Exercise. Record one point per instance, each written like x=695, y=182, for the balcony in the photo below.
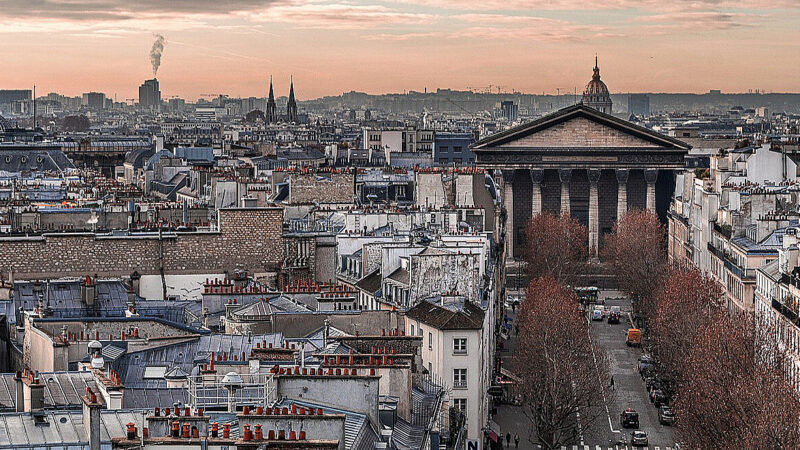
x=459, y=384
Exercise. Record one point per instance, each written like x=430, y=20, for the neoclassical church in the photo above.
x=581, y=161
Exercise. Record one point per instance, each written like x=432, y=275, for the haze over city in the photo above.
x=531, y=46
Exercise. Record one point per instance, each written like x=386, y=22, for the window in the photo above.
x=413, y=333
x=430, y=341
x=459, y=378
x=457, y=149
x=460, y=346
x=460, y=403
x=457, y=160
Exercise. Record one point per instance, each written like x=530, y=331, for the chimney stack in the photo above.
x=89, y=291
x=91, y=418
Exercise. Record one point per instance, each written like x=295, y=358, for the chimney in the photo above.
x=135, y=279
x=33, y=393
x=19, y=398
x=88, y=291
x=91, y=418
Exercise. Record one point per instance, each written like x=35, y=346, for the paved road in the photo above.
x=629, y=391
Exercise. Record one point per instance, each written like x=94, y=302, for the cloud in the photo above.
x=339, y=15
x=597, y=5
x=104, y=10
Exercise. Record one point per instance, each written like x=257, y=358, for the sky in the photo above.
x=232, y=47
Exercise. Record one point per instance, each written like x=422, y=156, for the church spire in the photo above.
x=291, y=106
x=596, y=75
x=271, y=113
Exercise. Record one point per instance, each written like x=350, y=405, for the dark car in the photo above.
x=638, y=438
x=652, y=382
x=613, y=317
x=666, y=416
x=658, y=397
x=646, y=369
x=629, y=418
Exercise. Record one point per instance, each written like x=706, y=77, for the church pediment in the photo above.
x=578, y=127
x=578, y=132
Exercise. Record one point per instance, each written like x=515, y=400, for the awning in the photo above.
x=493, y=431
x=507, y=374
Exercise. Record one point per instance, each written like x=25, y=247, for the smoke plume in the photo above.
x=155, y=53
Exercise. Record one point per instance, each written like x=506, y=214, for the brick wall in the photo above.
x=248, y=238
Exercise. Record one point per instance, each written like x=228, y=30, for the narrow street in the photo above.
x=629, y=392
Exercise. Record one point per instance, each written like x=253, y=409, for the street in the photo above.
x=628, y=392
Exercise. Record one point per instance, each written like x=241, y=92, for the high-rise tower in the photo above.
x=291, y=106
x=271, y=112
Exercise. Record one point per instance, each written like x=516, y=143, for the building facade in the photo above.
x=582, y=162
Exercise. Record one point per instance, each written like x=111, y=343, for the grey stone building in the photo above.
x=581, y=162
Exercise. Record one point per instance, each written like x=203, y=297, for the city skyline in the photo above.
x=392, y=47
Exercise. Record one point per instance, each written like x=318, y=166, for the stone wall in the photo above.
x=250, y=239
x=551, y=192
x=637, y=190
x=436, y=274
x=307, y=188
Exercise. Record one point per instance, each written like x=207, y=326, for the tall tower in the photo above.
x=271, y=112
x=291, y=106
x=596, y=93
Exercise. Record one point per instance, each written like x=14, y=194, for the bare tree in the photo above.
x=556, y=246
x=636, y=252
x=685, y=302
x=563, y=374
x=735, y=393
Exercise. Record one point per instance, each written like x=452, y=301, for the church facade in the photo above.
x=582, y=162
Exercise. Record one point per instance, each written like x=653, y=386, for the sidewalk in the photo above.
x=512, y=419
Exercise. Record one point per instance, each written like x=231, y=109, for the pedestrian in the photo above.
x=516, y=329
x=516, y=440
x=508, y=440
x=514, y=307
x=612, y=381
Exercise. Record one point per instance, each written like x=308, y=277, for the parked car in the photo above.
x=646, y=370
x=638, y=437
x=658, y=397
x=629, y=418
x=652, y=382
x=646, y=358
x=666, y=416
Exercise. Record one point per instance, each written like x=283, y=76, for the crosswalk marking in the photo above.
x=618, y=447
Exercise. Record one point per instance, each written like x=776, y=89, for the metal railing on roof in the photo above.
x=212, y=390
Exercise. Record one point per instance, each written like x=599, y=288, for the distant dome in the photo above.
x=596, y=93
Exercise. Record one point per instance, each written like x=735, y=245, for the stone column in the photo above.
x=622, y=192
x=508, y=201
x=564, y=175
x=594, y=210
x=536, y=197
x=650, y=176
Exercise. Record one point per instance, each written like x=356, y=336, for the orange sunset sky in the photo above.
x=233, y=46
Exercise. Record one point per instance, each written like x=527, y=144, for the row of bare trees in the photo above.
x=725, y=372
x=563, y=373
